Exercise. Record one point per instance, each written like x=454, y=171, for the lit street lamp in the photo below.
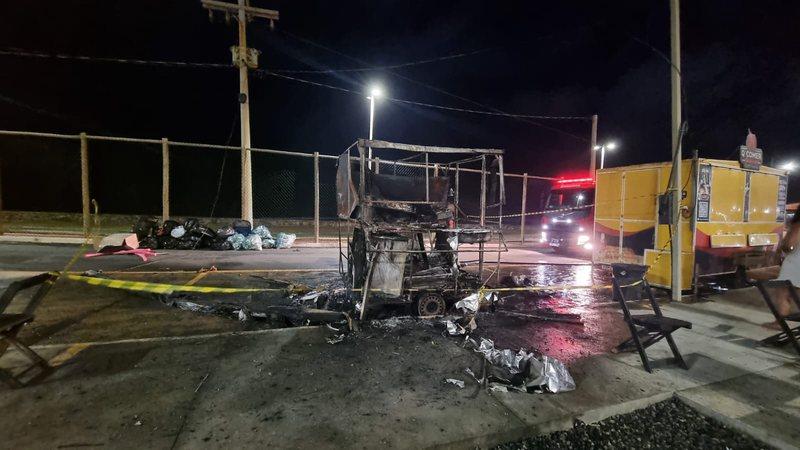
x=375, y=92
x=789, y=166
x=603, y=147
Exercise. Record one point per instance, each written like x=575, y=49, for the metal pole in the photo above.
x=482, y=213
x=316, y=197
x=85, y=201
x=371, y=123
x=244, y=111
x=677, y=235
x=602, y=156
x=593, y=144
x=164, y=179
x=524, y=204
x=427, y=181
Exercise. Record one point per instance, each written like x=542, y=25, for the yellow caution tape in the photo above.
x=159, y=288
x=162, y=288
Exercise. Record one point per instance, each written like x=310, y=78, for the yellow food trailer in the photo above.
x=730, y=216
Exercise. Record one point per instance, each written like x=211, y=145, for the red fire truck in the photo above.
x=569, y=217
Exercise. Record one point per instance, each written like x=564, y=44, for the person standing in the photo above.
x=790, y=268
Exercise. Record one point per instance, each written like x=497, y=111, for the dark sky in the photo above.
x=740, y=65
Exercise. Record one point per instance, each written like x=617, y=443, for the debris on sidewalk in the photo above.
x=456, y=382
x=523, y=371
x=336, y=339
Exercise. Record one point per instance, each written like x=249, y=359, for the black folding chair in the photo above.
x=789, y=334
x=647, y=329
x=11, y=325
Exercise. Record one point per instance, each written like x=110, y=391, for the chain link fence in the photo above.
x=42, y=176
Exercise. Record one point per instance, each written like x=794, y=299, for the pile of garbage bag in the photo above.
x=192, y=234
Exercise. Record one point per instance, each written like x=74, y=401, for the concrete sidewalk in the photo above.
x=288, y=388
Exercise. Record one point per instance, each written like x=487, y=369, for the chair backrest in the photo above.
x=46, y=281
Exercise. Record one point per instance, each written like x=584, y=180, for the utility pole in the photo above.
x=592, y=149
x=245, y=58
x=677, y=179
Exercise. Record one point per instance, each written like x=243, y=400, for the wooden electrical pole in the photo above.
x=677, y=179
x=245, y=58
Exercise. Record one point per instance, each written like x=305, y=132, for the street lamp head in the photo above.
x=611, y=145
x=597, y=147
x=789, y=166
x=376, y=92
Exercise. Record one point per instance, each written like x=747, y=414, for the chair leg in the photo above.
x=676, y=353
x=778, y=317
x=632, y=328
x=38, y=360
x=9, y=379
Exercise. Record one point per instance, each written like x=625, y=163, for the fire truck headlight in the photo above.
x=583, y=240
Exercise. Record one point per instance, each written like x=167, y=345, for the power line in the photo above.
x=388, y=67
x=497, y=113
x=427, y=105
x=434, y=88
x=29, y=54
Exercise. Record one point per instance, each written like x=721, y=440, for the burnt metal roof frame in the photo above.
x=426, y=148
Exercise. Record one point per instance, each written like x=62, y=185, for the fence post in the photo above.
x=524, y=204
x=316, y=197
x=164, y=179
x=85, y=201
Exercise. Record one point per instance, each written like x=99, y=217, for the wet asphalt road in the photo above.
x=602, y=326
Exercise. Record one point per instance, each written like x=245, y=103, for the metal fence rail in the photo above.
x=282, y=179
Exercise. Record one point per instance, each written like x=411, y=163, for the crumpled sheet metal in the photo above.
x=470, y=304
x=454, y=329
x=546, y=372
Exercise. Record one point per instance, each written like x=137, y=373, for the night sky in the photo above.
x=740, y=70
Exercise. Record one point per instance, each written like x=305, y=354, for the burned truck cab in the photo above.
x=407, y=229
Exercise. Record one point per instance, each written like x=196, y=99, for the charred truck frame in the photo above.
x=392, y=215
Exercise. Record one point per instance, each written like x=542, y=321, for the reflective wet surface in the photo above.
x=565, y=324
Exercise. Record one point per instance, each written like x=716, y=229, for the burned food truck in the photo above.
x=408, y=225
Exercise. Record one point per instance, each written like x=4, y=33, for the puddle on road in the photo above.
x=602, y=329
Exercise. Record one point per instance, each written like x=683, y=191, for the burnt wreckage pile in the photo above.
x=408, y=230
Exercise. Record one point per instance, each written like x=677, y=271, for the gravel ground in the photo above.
x=668, y=425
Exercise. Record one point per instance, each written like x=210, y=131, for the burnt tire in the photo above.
x=430, y=304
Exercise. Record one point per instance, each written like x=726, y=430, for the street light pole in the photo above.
x=374, y=92
x=603, y=157
x=602, y=148
x=371, y=124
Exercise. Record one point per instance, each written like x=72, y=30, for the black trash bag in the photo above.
x=202, y=232
x=191, y=224
x=145, y=226
x=188, y=243
x=150, y=242
x=168, y=226
x=221, y=244
x=243, y=227
x=167, y=242
x=224, y=233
